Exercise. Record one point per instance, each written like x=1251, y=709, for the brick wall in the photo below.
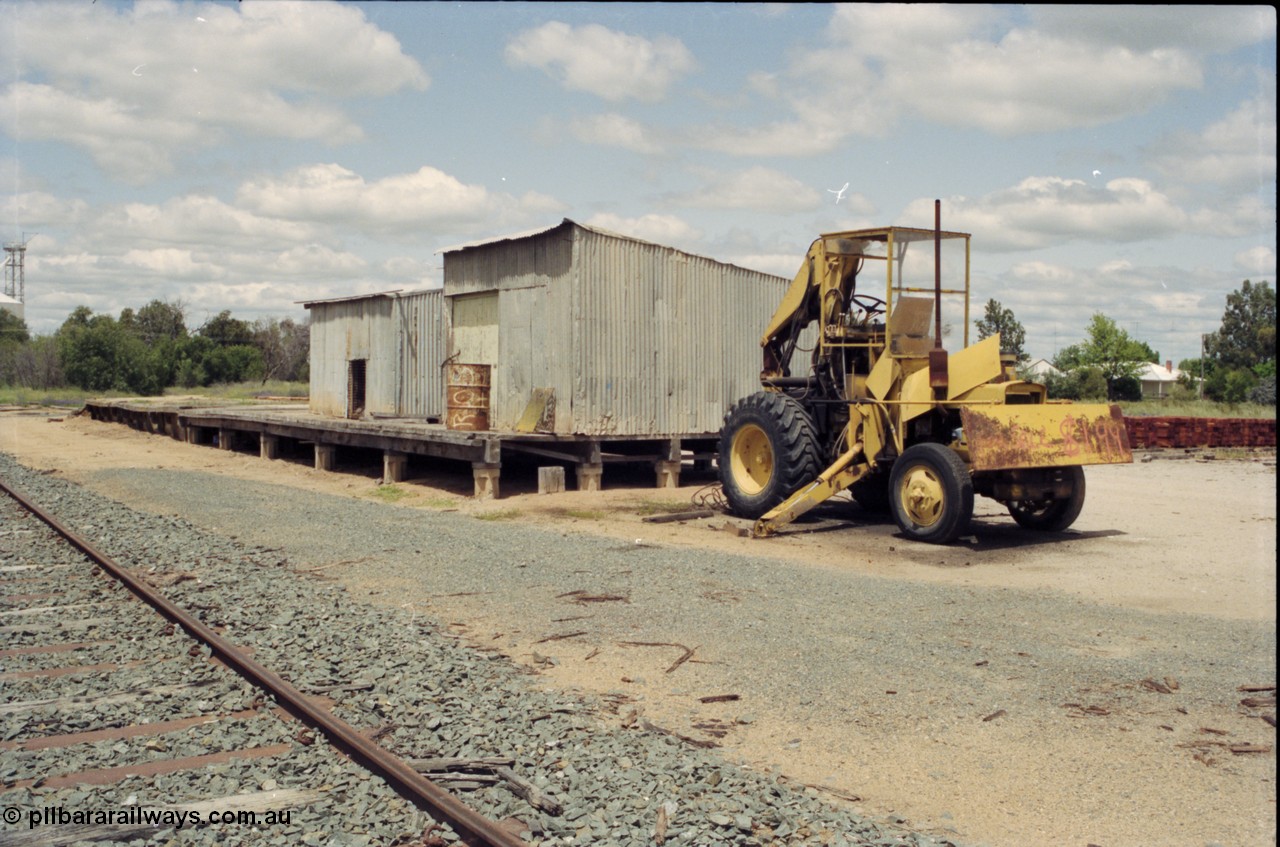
x=1201, y=432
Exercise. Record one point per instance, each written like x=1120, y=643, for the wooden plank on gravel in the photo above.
x=107, y=776
x=84, y=623
x=37, y=610
x=67, y=670
x=457, y=763
x=50, y=648
x=118, y=733
x=679, y=516
x=530, y=792
x=62, y=836
x=259, y=801
x=80, y=704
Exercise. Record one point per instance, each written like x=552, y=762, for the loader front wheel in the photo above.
x=931, y=493
x=1052, y=515
x=768, y=449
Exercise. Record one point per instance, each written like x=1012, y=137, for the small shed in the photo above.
x=378, y=355
x=625, y=337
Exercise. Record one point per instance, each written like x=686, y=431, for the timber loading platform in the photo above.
x=269, y=427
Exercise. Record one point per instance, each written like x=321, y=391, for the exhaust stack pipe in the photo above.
x=937, y=356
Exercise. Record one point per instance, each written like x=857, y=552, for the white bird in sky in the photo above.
x=839, y=194
x=1097, y=173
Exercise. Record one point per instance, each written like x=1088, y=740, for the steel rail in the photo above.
x=467, y=822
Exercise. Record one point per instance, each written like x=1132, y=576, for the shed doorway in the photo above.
x=356, y=387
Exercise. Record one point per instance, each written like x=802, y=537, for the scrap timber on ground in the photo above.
x=268, y=426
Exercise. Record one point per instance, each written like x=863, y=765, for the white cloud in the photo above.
x=136, y=87
x=950, y=65
x=38, y=209
x=660, y=229
x=1235, y=153
x=1198, y=28
x=614, y=130
x=1044, y=211
x=780, y=264
x=758, y=188
x=972, y=66
x=427, y=199
x=1259, y=261
x=196, y=220
x=609, y=64
x=1166, y=307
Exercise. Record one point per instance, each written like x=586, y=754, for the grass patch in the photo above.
x=1192, y=408
x=18, y=396
x=440, y=503
x=580, y=514
x=499, y=515
x=240, y=392
x=245, y=392
x=389, y=493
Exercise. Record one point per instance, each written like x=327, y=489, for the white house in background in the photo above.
x=1157, y=381
x=1042, y=367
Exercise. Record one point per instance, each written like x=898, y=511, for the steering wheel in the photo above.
x=868, y=303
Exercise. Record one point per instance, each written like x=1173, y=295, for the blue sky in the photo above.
x=245, y=156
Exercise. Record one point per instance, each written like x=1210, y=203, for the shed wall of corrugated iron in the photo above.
x=423, y=336
x=665, y=341
x=347, y=330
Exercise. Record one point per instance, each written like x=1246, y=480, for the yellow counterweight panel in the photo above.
x=973, y=366
x=1044, y=436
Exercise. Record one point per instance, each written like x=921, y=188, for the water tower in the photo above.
x=15, y=282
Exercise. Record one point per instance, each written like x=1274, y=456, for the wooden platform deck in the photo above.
x=239, y=427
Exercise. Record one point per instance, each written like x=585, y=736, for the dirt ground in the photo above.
x=1186, y=535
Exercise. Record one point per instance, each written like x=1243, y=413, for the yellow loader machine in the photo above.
x=886, y=411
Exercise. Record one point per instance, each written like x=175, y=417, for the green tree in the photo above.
x=1085, y=383
x=226, y=331
x=160, y=321
x=998, y=319
x=1247, y=336
x=99, y=353
x=13, y=329
x=1110, y=349
x=285, y=346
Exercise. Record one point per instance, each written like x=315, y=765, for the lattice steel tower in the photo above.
x=15, y=282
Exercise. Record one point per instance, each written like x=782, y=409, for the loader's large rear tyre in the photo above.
x=931, y=493
x=1052, y=515
x=768, y=449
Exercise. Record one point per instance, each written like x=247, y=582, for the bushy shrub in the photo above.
x=1264, y=393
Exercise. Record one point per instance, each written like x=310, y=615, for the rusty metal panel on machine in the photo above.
x=1042, y=436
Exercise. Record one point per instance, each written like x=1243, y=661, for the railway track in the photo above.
x=182, y=729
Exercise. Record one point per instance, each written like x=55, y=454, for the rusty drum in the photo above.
x=466, y=396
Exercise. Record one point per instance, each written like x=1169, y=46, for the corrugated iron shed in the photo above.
x=378, y=354
x=634, y=338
